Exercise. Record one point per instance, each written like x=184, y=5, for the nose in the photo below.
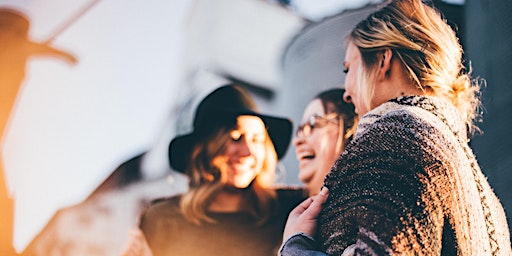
x=244, y=149
x=347, y=98
x=298, y=140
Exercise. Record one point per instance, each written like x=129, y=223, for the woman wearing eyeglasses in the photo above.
x=328, y=124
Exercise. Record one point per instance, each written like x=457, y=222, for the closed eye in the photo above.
x=236, y=135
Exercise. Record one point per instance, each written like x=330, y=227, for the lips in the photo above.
x=305, y=155
x=240, y=168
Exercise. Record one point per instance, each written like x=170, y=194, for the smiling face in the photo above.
x=318, y=151
x=244, y=153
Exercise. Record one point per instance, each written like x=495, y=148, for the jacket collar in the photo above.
x=441, y=108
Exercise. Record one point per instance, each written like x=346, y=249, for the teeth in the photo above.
x=307, y=156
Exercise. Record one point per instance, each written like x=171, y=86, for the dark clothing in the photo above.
x=300, y=244
x=168, y=232
x=409, y=184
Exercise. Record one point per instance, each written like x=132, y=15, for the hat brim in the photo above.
x=279, y=130
x=180, y=149
x=41, y=49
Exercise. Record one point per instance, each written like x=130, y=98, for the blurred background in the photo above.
x=85, y=148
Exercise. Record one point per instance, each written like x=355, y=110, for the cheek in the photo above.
x=350, y=84
x=259, y=153
x=326, y=148
x=328, y=151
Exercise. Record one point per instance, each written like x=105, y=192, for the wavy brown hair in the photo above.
x=206, y=180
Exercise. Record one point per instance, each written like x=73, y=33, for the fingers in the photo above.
x=316, y=205
x=311, y=207
x=299, y=209
x=303, y=217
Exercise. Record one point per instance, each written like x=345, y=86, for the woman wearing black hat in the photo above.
x=232, y=206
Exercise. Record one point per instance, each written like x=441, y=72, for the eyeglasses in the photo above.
x=315, y=121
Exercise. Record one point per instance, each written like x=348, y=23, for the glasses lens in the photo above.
x=306, y=129
x=314, y=121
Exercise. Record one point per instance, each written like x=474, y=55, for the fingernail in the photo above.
x=324, y=190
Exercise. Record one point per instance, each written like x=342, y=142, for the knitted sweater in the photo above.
x=409, y=184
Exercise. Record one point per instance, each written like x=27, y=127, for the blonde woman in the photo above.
x=408, y=183
x=232, y=207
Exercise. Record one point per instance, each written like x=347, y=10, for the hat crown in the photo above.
x=228, y=99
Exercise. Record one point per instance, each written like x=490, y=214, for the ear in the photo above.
x=385, y=64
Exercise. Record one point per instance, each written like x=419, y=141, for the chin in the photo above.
x=306, y=175
x=241, y=184
x=232, y=188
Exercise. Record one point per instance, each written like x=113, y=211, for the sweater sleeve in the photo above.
x=300, y=244
x=377, y=201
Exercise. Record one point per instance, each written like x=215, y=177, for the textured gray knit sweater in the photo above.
x=409, y=184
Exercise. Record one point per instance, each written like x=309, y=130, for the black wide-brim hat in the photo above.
x=220, y=109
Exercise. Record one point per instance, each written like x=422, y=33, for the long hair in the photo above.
x=332, y=102
x=427, y=48
x=206, y=180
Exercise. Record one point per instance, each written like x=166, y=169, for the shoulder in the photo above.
x=411, y=116
x=163, y=207
x=401, y=140
x=407, y=119
x=399, y=129
x=166, y=200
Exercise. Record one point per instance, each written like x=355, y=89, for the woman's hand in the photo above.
x=303, y=217
x=136, y=245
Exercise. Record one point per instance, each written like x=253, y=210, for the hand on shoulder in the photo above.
x=303, y=218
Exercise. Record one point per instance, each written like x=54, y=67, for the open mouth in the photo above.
x=306, y=156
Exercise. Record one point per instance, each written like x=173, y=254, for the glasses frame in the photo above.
x=316, y=121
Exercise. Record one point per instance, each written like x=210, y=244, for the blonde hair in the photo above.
x=206, y=180
x=427, y=48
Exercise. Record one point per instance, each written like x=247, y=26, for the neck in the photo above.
x=407, y=90
x=393, y=86
x=228, y=200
